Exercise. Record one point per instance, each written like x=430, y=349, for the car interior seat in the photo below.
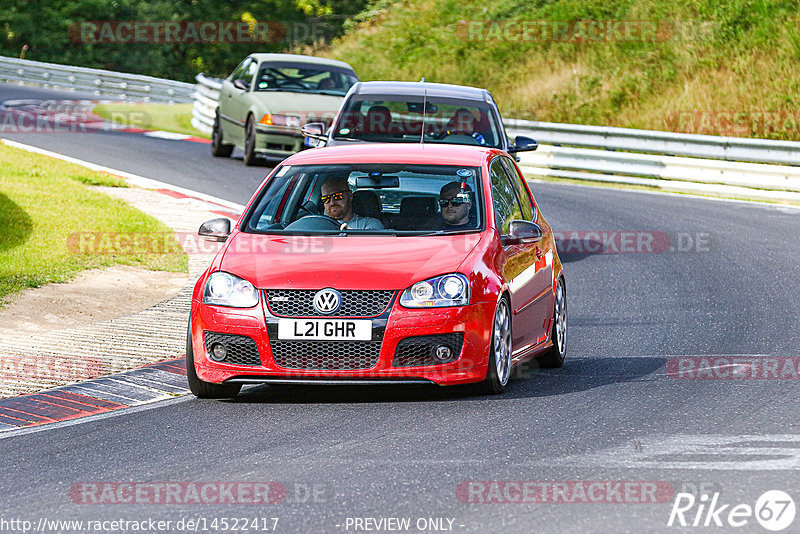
x=367, y=204
x=326, y=83
x=378, y=121
x=416, y=213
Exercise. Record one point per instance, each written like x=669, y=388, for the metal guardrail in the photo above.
x=206, y=96
x=610, y=166
x=655, y=142
x=95, y=82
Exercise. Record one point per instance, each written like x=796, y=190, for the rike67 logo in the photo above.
x=774, y=511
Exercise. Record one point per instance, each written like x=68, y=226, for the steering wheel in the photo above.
x=315, y=223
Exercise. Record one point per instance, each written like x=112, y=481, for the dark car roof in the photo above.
x=442, y=90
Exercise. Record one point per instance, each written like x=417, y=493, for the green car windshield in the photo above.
x=399, y=119
x=304, y=78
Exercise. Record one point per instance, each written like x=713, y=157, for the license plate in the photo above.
x=325, y=329
x=311, y=142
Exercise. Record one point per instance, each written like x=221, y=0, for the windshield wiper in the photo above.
x=449, y=232
x=370, y=232
x=302, y=232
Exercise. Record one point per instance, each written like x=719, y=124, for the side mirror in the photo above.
x=523, y=144
x=218, y=229
x=520, y=232
x=314, y=132
x=241, y=84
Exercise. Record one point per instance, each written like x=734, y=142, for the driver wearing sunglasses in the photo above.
x=455, y=205
x=337, y=198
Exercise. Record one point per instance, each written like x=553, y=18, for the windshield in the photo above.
x=304, y=78
x=400, y=199
x=398, y=119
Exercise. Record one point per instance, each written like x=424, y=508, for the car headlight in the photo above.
x=225, y=289
x=438, y=292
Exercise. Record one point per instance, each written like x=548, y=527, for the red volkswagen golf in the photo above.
x=380, y=264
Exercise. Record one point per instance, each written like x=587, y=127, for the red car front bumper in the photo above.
x=474, y=321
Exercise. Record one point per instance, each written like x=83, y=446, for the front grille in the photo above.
x=300, y=303
x=419, y=350
x=326, y=355
x=280, y=147
x=242, y=350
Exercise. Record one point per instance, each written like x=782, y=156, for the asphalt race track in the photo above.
x=726, y=284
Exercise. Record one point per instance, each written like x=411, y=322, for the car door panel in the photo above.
x=538, y=310
x=518, y=262
x=230, y=129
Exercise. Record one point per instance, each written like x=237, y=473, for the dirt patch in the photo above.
x=93, y=296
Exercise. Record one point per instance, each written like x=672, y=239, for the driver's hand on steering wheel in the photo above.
x=344, y=226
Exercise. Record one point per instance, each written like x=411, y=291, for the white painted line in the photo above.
x=129, y=384
x=96, y=393
x=135, y=179
x=763, y=452
x=161, y=134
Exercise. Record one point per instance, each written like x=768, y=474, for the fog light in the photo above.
x=218, y=352
x=442, y=353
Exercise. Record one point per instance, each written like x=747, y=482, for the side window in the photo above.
x=245, y=71
x=504, y=200
x=250, y=72
x=267, y=210
x=519, y=187
x=237, y=72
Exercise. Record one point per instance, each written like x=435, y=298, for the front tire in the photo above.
x=555, y=356
x=218, y=148
x=249, y=142
x=200, y=388
x=499, y=372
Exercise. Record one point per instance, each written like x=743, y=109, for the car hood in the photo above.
x=300, y=104
x=351, y=262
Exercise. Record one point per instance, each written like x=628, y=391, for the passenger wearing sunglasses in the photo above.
x=455, y=203
x=337, y=198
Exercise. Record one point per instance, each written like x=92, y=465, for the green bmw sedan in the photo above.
x=268, y=97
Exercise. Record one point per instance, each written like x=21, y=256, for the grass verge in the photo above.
x=167, y=117
x=45, y=203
